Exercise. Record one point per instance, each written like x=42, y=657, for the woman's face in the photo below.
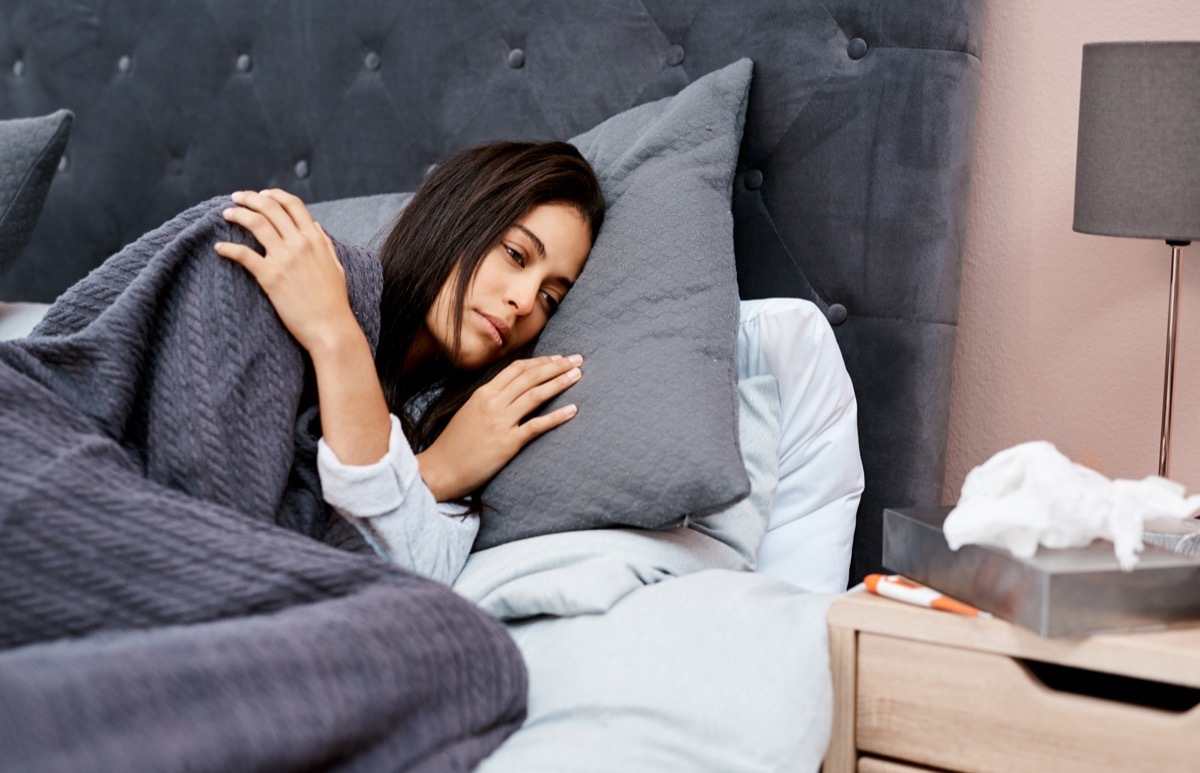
x=516, y=288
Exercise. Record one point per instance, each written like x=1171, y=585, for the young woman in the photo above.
x=476, y=264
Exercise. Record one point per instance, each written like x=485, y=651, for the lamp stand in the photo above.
x=1164, y=443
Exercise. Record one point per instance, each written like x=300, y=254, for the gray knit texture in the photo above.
x=168, y=596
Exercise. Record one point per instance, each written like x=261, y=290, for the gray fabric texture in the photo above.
x=654, y=315
x=29, y=153
x=166, y=601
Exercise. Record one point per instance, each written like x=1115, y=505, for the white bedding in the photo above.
x=811, y=532
x=644, y=654
x=17, y=319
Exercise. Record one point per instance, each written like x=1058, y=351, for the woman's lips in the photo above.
x=497, y=327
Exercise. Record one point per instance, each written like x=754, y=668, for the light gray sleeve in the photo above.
x=394, y=510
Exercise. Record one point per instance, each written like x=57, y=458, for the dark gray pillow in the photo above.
x=29, y=153
x=655, y=316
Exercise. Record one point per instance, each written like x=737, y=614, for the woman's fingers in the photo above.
x=275, y=214
x=530, y=399
x=515, y=370
x=300, y=219
x=524, y=375
x=281, y=223
x=257, y=224
x=242, y=255
x=295, y=209
x=325, y=236
x=540, y=425
x=534, y=381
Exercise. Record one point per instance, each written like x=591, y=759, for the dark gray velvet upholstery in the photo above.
x=851, y=189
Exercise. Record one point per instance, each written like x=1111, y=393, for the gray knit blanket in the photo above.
x=171, y=596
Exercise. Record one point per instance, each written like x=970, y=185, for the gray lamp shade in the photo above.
x=1137, y=170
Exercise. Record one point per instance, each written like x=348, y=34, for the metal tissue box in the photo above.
x=1068, y=592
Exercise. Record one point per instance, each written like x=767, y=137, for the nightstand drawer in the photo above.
x=964, y=709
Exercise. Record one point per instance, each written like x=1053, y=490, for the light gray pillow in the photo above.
x=362, y=220
x=655, y=316
x=29, y=153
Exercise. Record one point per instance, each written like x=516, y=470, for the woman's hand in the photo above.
x=299, y=272
x=305, y=282
x=487, y=431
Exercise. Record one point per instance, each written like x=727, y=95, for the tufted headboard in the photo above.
x=851, y=189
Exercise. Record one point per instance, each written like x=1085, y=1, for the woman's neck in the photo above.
x=421, y=352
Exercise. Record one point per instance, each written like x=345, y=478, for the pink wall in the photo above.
x=1062, y=335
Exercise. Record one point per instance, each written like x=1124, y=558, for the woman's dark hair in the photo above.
x=458, y=213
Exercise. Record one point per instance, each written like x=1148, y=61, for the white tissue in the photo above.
x=1031, y=495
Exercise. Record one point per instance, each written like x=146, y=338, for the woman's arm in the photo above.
x=369, y=473
x=305, y=282
x=396, y=513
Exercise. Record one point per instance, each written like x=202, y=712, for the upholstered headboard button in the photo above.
x=753, y=180
x=516, y=59
x=63, y=163
x=372, y=61
x=301, y=169
x=675, y=55
x=125, y=64
x=857, y=48
x=836, y=314
x=18, y=68
x=244, y=63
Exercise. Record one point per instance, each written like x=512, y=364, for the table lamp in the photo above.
x=1137, y=167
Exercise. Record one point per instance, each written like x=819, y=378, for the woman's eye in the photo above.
x=551, y=303
x=516, y=255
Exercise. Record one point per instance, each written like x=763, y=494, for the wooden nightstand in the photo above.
x=916, y=689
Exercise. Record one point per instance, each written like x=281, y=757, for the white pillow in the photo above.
x=811, y=532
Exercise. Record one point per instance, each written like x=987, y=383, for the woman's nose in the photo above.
x=522, y=297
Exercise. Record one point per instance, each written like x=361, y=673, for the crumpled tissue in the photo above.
x=1031, y=495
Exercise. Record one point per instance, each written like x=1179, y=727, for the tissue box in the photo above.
x=1070, y=592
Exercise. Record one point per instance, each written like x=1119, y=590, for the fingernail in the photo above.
x=227, y=212
x=571, y=409
x=556, y=356
x=237, y=195
x=576, y=359
x=574, y=374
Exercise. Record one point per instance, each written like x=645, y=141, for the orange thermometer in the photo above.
x=893, y=586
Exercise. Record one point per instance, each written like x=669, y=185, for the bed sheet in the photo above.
x=645, y=652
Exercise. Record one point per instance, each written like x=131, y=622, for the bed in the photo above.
x=640, y=646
